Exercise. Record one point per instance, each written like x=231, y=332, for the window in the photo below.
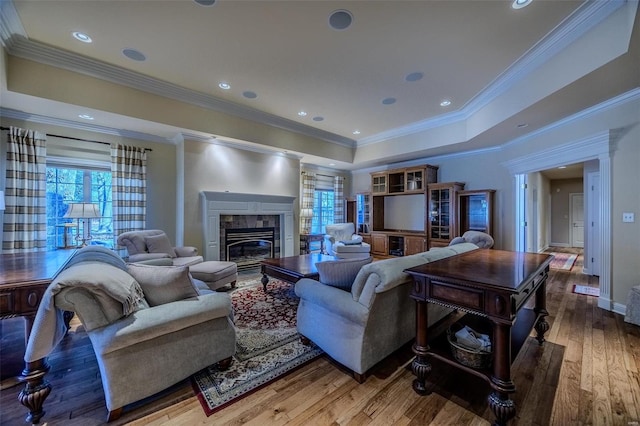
x=66, y=185
x=322, y=211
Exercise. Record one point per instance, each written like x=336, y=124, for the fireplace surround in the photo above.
x=217, y=205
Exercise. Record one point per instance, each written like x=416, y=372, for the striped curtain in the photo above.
x=25, y=216
x=306, y=207
x=129, y=188
x=338, y=199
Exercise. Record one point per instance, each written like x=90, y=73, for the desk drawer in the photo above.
x=459, y=296
x=530, y=288
x=7, y=304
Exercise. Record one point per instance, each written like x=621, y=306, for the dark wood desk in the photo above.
x=491, y=285
x=307, y=239
x=293, y=268
x=23, y=279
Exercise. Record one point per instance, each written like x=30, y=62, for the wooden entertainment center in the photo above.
x=408, y=211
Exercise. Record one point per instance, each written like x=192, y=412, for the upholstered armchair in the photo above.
x=481, y=239
x=150, y=245
x=342, y=242
x=150, y=327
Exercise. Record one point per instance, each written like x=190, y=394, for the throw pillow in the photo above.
x=341, y=273
x=163, y=284
x=159, y=244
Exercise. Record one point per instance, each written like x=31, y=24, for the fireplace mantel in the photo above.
x=215, y=204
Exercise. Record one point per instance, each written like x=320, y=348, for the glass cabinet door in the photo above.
x=363, y=213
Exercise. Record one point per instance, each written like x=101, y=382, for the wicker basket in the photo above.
x=473, y=358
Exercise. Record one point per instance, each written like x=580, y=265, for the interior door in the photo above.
x=577, y=220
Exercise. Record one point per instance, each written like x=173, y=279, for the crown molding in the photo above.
x=20, y=115
x=10, y=23
x=19, y=46
x=618, y=101
x=587, y=16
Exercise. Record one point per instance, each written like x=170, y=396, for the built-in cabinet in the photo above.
x=388, y=236
x=448, y=211
x=363, y=213
x=475, y=211
x=442, y=212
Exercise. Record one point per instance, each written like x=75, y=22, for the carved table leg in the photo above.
x=264, y=281
x=36, y=389
x=503, y=408
x=541, y=326
x=420, y=366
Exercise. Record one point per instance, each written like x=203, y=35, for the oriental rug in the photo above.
x=267, y=346
x=563, y=261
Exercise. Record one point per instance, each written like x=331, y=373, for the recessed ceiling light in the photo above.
x=249, y=94
x=224, y=85
x=85, y=117
x=389, y=101
x=522, y=125
x=356, y=132
x=318, y=118
x=81, y=36
x=332, y=164
x=414, y=76
x=519, y=4
x=340, y=20
x=562, y=167
x=205, y=2
x=445, y=102
x=134, y=54
x=302, y=113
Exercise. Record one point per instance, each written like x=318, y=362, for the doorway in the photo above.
x=576, y=213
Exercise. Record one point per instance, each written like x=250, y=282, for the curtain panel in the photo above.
x=25, y=215
x=338, y=199
x=306, y=207
x=129, y=188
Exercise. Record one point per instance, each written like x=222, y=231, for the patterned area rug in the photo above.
x=268, y=345
x=563, y=261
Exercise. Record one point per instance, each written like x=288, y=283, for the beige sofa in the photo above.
x=360, y=326
x=150, y=326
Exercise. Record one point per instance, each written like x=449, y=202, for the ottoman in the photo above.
x=215, y=273
x=633, y=306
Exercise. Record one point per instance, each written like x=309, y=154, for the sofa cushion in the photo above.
x=163, y=284
x=340, y=273
x=159, y=244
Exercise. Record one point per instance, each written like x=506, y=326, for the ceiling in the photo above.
x=384, y=75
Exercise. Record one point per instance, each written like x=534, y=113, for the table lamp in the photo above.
x=83, y=211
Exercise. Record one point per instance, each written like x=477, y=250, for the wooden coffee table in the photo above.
x=292, y=269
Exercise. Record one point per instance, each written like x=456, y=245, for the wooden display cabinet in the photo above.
x=475, y=211
x=379, y=244
x=442, y=212
x=379, y=183
x=363, y=213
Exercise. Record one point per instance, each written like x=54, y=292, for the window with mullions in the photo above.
x=322, y=211
x=67, y=185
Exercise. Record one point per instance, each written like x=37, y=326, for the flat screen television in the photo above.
x=405, y=213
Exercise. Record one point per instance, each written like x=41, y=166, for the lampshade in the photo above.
x=82, y=211
x=306, y=212
x=1, y=200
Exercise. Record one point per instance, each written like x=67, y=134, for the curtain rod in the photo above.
x=76, y=139
x=318, y=174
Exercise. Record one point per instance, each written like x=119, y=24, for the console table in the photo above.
x=493, y=286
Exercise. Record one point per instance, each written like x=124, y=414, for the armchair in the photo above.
x=149, y=245
x=342, y=242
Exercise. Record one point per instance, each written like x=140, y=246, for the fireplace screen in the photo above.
x=248, y=246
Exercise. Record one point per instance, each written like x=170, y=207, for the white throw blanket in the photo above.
x=49, y=328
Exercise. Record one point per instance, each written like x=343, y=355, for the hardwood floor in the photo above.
x=587, y=373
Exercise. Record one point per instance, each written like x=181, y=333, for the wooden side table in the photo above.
x=307, y=239
x=493, y=286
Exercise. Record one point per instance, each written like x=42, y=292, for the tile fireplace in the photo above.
x=226, y=214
